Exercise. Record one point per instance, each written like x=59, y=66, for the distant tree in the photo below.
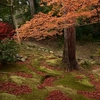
x=14, y=9
x=32, y=7
x=4, y=11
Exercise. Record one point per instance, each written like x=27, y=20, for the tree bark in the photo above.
x=65, y=59
x=69, y=52
x=32, y=8
x=13, y=13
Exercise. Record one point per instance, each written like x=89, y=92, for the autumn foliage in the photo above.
x=45, y=25
x=6, y=30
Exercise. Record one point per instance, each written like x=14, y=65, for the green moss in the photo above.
x=70, y=81
x=51, y=57
x=41, y=58
x=53, y=62
x=35, y=63
x=6, y=96
x=14, y=68
x=4, y=77
x=49, y=71
x=36, y=95
x=85, y=82
x=17, y=79
x=67, y=84
x=67, y=90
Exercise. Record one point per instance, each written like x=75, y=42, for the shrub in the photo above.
x=86, y=64
x=8, y=50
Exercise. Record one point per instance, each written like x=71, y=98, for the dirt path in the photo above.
x=83, y=51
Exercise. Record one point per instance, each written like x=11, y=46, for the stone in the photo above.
x=17, y=55
x=27, y=48
x=41, y=47
x=93, y=62
x=23, y=59
x=18, y=59
x=96, y=71
x=51, y=52
x=46, y=50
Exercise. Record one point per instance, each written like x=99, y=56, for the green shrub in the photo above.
x=86, y=64
x=8, y=50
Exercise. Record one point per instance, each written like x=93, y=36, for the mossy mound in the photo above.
x=85, y=82
x=82, y=80
x=53, y=62
x=67, y=90
x=70, y=81
x=49, y=71
x=18, y=79
x=6, y=96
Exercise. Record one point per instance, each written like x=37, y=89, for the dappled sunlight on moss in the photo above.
x=85, y=82
x=53, y=62
x=70, y=81
x=49, y=71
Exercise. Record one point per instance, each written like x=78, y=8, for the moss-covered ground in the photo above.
x=39, y=66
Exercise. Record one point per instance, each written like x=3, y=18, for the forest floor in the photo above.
x=41, y=77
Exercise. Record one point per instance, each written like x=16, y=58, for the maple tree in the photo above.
x=6, y=30
x=46, y=25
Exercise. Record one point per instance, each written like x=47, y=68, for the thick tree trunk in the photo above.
x=65, y=59
x=69, y=55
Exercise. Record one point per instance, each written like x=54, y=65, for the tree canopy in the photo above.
x=44, y=25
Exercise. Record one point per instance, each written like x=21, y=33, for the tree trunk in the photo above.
x=32, y=8
x=69, y=55
x=13, y=13
x=65, y=59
